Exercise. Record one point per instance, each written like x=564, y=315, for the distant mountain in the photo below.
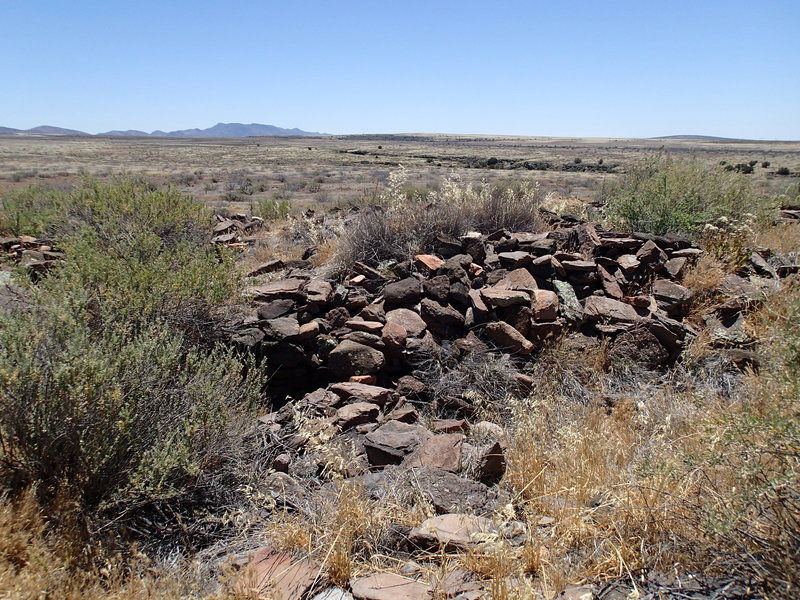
x=224, y=130
x=228, y=130
x=50, y=130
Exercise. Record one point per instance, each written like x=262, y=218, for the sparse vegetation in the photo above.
x=666, y=195
x=122, y=414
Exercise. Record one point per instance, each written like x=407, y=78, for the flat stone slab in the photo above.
x=273, y=574
x=389, y=586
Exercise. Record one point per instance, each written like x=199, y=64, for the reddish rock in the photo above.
x=394, y=335
x=273, y=574
x=275, y=290
x=391, y=442
x=650, y=254
x=610, y=284
x=355, y=414
x=411, y=321
x=492, y=463
x=450, y=425
x=351, y=358
x=360, y=392
x=675, y=266
x=442, y=320
x=318, y=291
x=442, y=451
x=267, y=267
x=515, y=260
x=366, y=326
x=389, y=586
x=505, y=336
x=545, y=305
x=453, y=531
x=600, y=308
x=628, y=262
x=518, y=279
x=365, y=379
x=437, y=288
x=427, y=262
x=404, y=414
x=504, y=297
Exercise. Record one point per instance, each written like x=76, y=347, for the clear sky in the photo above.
x=558, y=68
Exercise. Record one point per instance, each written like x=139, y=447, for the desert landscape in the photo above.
x=399, y=367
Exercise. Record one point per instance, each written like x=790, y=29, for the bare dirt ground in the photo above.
x=318, y=171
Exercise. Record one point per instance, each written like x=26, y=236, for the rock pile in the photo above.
x=36, y=255
x=347, y=353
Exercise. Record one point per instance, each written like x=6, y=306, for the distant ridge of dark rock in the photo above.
x=699, y=138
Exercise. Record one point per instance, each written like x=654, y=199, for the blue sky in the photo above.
x=559, y=68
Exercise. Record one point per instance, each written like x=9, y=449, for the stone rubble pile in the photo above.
x=353, y=348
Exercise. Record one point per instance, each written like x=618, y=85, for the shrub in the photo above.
x=664, y=195
x=108, y=413
x=273, y=209
x=407, y=222
x=783, y=171
x=105, y=390
x=765, y=164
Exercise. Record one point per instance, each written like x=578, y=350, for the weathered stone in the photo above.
x=475, y=248
x=450, y=426
x=388, y=586
x=519, y=317
x=364, y=379
x=518, y=279
x=406, y=291
x=453, y=531
x=480, y=309
x=492, y=464
x=360, y=392
x=373, y=312
x=689, y=253
x=338, y=316
x=437, y=288
x=442, y=320
x=675, y=266
x=610, y=284
x=450, y=493
x=281, y=328
x=638, y=346
x=351, y=358
x=427, y=263
x=459, y=294
x=505, y=336
x=356, y=413
x=568, y=302
x=545, y=305
x=579, y=265
x=391, y=442
x=669, y=295
x=318, y=291
x=357, y=324
x=628, y=263
x=504, y=297
x=651, y=255
x=600, y=308
x=267, y=267
x=322, y=399
x=273, y=574
x=275, y=290
x=307, y=331
x=515, y=260
x=411, y=321
x=442, y=451
x=394, y=335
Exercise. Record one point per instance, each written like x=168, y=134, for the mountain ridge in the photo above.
x=220, y=130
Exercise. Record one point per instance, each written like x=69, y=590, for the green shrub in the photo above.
x=273, y=209
x=111, y=385
x=103, y=413
x=664, y=195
